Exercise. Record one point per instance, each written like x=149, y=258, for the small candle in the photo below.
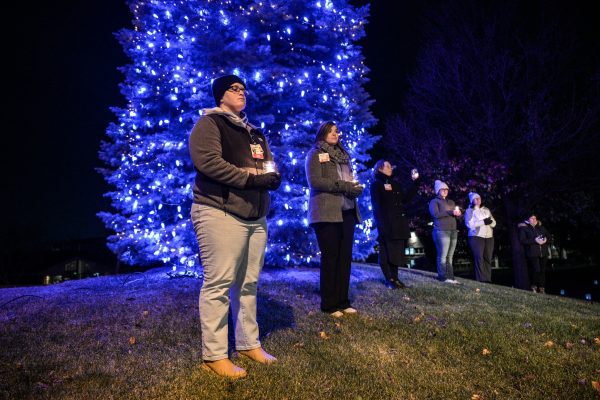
x=269, y=166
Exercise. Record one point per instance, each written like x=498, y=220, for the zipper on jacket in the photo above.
x=254, y=141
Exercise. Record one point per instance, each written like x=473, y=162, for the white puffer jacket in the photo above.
x=474, y=220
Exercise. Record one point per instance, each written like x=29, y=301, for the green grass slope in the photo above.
x=138, y=337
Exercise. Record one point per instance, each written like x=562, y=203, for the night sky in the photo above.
x=63, y=61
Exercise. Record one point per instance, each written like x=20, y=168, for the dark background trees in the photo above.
x=512, y=91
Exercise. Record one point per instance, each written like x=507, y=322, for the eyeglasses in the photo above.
x=237, y=89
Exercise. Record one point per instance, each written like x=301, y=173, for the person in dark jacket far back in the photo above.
x=535, y=239
x=388, y=201
x=231, y=201
x=333, y=213
x=444, y=213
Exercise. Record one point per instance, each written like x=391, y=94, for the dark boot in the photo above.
x=398, y=283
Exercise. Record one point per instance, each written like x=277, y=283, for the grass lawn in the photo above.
x=137, y=337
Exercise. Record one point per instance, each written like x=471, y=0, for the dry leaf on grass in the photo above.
x=145, y=313
x=549, y=343
x=406, y=298
x=132, y=340
x=597, y=341
x=419, y=317
x=477, y=291
x=476, y=397
x=569, y=345
x=486, y=351
x=596, y=386
x=299, y=345
x=323, y=335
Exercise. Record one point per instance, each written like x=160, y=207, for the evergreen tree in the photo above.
x=301, y=65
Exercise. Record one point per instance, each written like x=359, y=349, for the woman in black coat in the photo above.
x=535, y=239
x=388, y=201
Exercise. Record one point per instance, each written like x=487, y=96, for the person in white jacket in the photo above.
x=481, y=225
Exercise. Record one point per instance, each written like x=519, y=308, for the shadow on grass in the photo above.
x=273, y=315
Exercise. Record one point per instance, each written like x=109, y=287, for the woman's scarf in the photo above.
x=337, y=153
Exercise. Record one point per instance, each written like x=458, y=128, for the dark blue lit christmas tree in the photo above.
x=302, y=66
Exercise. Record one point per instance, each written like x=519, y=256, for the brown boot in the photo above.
x=258, y=355
x=542, y=290
x=224, y=368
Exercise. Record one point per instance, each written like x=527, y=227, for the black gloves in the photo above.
x=487, y=220
x=269, y=181
x=351, y=190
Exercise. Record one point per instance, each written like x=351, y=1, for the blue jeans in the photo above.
x=445, y=243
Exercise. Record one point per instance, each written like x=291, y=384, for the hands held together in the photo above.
x=352, y=189
x=268, y=181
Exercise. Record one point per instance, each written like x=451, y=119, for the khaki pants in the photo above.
x=232, y=252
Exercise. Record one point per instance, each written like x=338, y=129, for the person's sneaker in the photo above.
x=337, y=314
x=398, y=283
x=224, y=368
x=258, y=355
x=452, y=281
x=534, y=289
x=349, y=310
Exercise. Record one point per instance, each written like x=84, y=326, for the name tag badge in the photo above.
x=323, y=157
x=257, y=151
x=387, y=186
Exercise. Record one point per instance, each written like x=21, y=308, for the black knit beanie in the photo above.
x=221, y=84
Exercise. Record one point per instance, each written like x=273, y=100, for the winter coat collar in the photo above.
x=526, y=222
x=380, y=176
x=337, y=153
x=242, y=120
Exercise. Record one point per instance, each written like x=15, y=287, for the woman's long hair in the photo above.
x=323, y=130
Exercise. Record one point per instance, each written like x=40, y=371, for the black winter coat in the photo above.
x=527, y=235
x=388, y=207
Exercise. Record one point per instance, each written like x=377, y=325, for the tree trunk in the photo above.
x=519, y=264
x=520, y=274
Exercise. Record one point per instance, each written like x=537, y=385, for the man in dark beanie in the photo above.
x=231, y=201
x=222, y=83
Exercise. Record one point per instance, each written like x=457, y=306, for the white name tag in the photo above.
x=323, y=157
x=387, y=186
